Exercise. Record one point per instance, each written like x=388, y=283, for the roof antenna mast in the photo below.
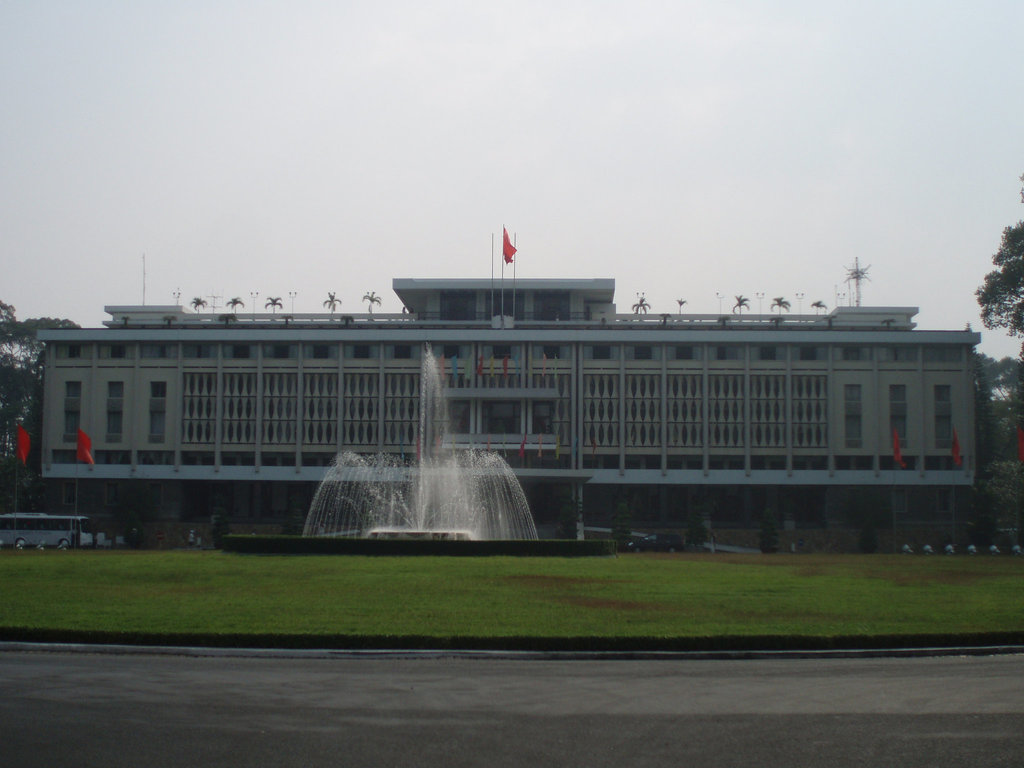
x=856, y=275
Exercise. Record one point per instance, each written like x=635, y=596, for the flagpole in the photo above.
x=491, y=308
x=502, y=275
x=15, y=499
x=514, y=237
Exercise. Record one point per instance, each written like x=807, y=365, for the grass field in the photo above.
x=210, y=594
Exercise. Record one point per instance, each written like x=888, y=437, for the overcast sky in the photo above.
x=682, y=148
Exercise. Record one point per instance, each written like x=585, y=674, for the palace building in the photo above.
x=821, y=418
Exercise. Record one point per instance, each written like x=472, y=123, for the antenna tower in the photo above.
x=856, y=275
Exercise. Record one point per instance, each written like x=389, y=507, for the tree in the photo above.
x=680, y=302
x=622, y=524
x=198, y=303
x=769, y=537
x=780, y=303
x=21, y=403
x=273, y=304
x=696, y=530
x=235, y=303
x=819, y=306
x=641, y=304
x=742, y=302
x=371, y=298
x=1001, y=296
x=135, y=506
x=332, y=302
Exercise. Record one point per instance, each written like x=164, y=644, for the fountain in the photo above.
x=448, y=494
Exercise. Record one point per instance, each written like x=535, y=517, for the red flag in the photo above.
x=24, y=443
x=1020, y=444
x=480, y=366
x=522, y=446
x=84, y=448
x=897, y=454
x=957, y=458
x=504, y=365
x=507, y=249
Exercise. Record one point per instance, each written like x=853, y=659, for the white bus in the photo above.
x=37, y=529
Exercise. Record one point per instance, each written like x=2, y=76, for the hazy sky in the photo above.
x=681, y=148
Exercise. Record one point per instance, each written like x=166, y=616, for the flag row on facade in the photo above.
x=83, y=446
x=897, y=453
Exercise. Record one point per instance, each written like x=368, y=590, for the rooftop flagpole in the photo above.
x=503, y=260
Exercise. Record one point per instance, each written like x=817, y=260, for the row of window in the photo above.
x=846, y=353
x=942, y=399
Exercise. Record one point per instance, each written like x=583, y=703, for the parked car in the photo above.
x=657, y=542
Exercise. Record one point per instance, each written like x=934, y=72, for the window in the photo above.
x=943, y=394
x=115, y=421
x=687, y=353
x=543, y=417
x=852, y=415
x=402, y=351
x=113, y=351
x=727, y=352
x=810, y=353
x=768, y=353
x=942, y=354
x=321, y=351
x=898, y=411
x=238, y=351
x=854, y=354
x=600, y=352
x=643, y=352
x=199, y=351
x=550, y=351
x=72, y=389
x=157, y=426
x=458, y=305
x=115, y=389
x=157, y=411
x=900, y=354
x=551, y=305
x=458, y=417
x=361, y=352
x=501, y=417
x=155, y=351
x=279, y=351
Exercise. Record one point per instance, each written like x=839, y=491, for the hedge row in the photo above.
x=990, y=642
x=303, y=545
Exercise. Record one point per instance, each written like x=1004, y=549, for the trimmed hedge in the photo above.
x=312, y=545
x=728, y=644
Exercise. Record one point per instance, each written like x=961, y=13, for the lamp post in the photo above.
x=292, y=295
x=799, y=302
x=255, y=295
x=720, y=297
x=760, y=302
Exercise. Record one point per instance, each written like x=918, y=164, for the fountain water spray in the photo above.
x=448, y=494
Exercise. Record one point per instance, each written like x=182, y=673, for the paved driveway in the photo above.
x=111, y=710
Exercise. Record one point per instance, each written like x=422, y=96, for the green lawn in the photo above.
x=630, y=596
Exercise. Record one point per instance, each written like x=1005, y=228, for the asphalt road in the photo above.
x=112, y=710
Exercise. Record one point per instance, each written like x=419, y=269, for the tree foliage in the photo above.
x=21, y=394
x=1001, y=296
